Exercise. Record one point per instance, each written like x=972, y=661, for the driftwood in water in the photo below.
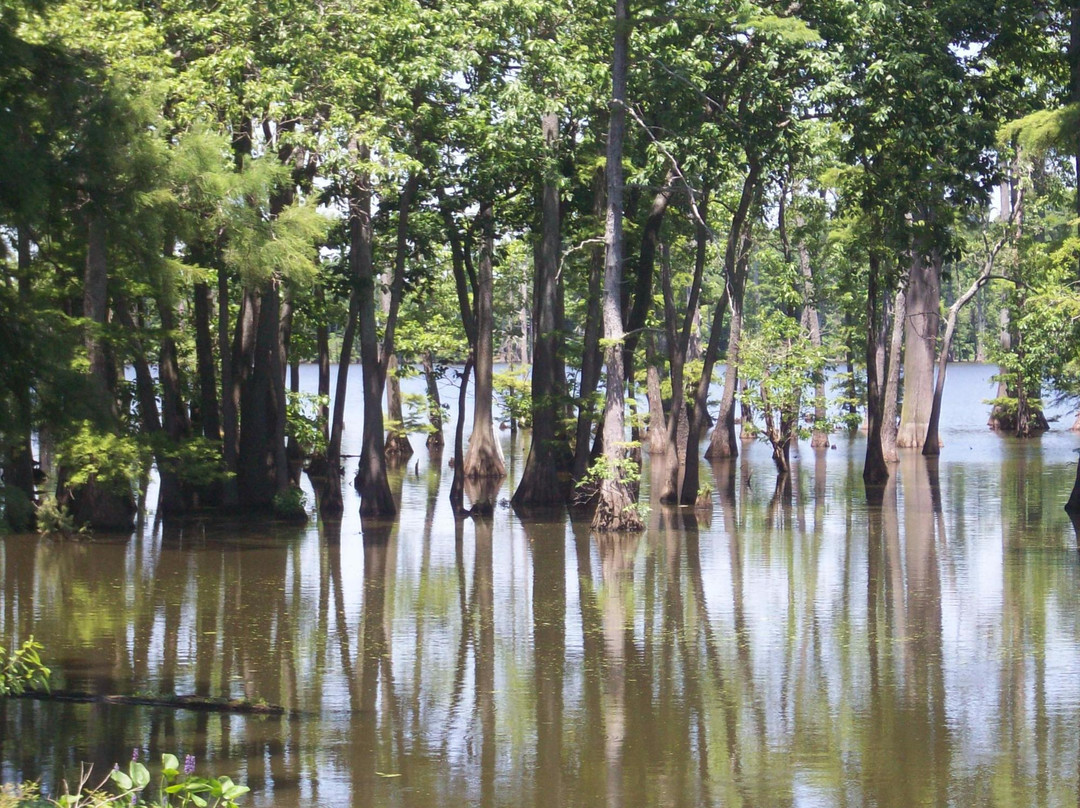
x=206, y=703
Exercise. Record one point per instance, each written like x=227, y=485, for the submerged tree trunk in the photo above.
x=540, y=484
x=371, y=481
x=397, y=439
x=679, y=350
x=457, y=484
x=330, y=501
x=921, y=325
x=435, y=440
x=616, y=509
x=723, y=442
x=484, y=459
x=875, y=468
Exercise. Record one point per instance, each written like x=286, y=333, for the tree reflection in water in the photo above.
x=790, y=645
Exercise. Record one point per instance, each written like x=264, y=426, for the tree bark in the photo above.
x=90, y=503
x=679, y=351
x=616, y=506
x=230, y=421
x=738, y=244
x=875, y=469
x=540, y=485
x=371, y=481
x=261, y=467
x=397, y=439
x=812, y=318
x=435, y=440
x=210, y=419
x=723, y=442
x=457, y=484
x=484, y=459
x=921, y=326
x=646, y=269
x=19, y=457
x=322, y=346
x=932, y=445
x=892, y=380
x=591, y=358
x=330, y=501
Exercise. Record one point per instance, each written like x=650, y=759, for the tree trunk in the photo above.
x=457, y=484
x=261, y=466
x=738, y=244
x=90, y=503
x=932, y=445
x=484, y=459
x=230, y=421
x=892, y=380
x=435, y=439
x=209, y=418
x=646, y=269
x=322, y=343
x=658, y=432
x=591, y=358
x=616, y=509
x=540, y=485
x=679, y=351
x=397, y=439
x=170, y=496
x=875, y=469
x=920, y=339
x=812, y=319
x=999, y=417
x=371, y=481
x=18, y=460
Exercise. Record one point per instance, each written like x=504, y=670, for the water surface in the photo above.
x=791, y=648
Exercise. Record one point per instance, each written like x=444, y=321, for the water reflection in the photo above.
x=787, y=646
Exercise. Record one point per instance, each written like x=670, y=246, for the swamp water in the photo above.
x=781, y=650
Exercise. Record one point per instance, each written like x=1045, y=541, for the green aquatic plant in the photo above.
x=22, y=670
x=177, y=787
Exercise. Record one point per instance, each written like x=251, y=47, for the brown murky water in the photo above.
x=793, y=648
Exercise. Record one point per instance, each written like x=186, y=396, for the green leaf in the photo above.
x=121, y=780
x=139, y=774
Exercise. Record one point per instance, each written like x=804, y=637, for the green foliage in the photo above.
x=291, y=504
x=625, y=470
x=22, y=669
x=305, y=422
x=418, y=408
x=109, y=460
x=196, y=460
x=513, y=391
x=1043, y=130
x=780, y=365
x=176, y=788
x=17, y=507
x=54, y=519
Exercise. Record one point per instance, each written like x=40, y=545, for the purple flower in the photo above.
x=135, y=753
x=189, y=764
